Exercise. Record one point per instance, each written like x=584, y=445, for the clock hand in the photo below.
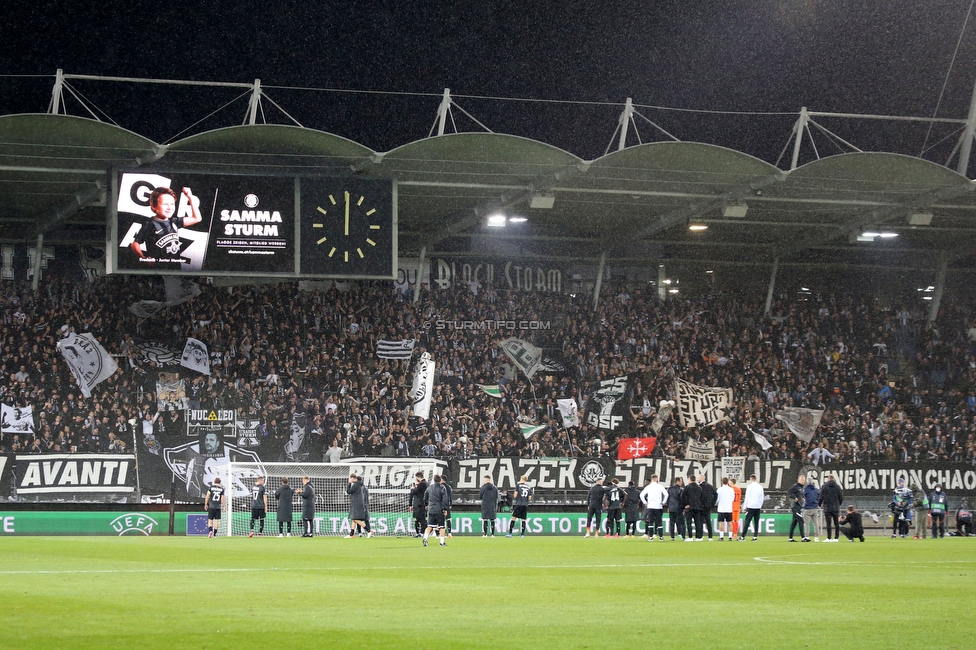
x=347, y=214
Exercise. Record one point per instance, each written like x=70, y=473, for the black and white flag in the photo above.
x=401, y=350
x=802, y=422
x=17, y=419
x=89, y=362
x=609, y=406
x=196, y=356
x=179, y=290
x=663, y=415
x=701, y=451
x=523, y=354
x=569, y=411
x=760, y=439
x=423, y=386
x=699, y=406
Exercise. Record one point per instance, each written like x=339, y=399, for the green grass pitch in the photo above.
x=536, y=592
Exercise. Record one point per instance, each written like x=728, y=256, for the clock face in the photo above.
x=347, y=228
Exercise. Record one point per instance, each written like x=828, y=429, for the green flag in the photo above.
x=529, y=430
x=494, y=390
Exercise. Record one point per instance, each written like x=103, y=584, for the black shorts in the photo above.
x=520, y=512
x=213, y=514
x=613, y=514
x=435, y=519
x=725, y=516
x=258, y=513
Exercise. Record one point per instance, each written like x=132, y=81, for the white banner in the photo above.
x=699, y=406
x=423, y=386
x=734, y=467
x=402, y=350
x=802, y=422
x=523, y=354
x=89, y=362
x=196, y=356
x=569, y=410
x=695, y=450
x=17, y=419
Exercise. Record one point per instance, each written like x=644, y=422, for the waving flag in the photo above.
x=89, y=362
x=523, y=354
x=494, y=390
x=700, y=406
x=629, y=448
x=569, y=410
x=401, y=350
x=528, y=430
x=802, y=422
x=423, y=386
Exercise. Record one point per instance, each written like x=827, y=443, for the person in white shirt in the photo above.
x=753, y=503
x=654, y=496
x=726, y=497
x=820, y=455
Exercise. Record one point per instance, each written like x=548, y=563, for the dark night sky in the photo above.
x=755, y=55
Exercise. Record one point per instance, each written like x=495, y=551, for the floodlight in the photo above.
x=497, y=221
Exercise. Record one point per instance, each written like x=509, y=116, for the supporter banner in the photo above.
x=773, y=475
x=6, y=474
x=507, y=275
x=761, y=440
x=147, y=308
x=161, y=354
x=957, y=479
x=609, y=406
x=523, y=354
x=16, y=419
x=195, y=356
x=733, y=467
x=494, y=390
x=75, y=474
x=423, y=386
x=704, y=450
x=528, y=429
x=89, y=362
x=171, y=392
x=89, y=523
x=543, y=473
x=802, y=422
x=699, y=406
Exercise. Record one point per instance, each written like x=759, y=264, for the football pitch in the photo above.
x=536, y=592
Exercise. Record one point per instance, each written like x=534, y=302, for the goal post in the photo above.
x=388, y=484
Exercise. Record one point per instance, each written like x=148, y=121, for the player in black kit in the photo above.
x=520, y=507
x=259, y=506
x=615, y=498
x=213, y=504
x=594, y=507
x=417, y=493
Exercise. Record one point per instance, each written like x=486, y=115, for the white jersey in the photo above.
x=755, y=496
x=654, y=496
x=726, y=497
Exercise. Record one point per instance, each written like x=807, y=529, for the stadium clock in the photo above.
x=347, y=228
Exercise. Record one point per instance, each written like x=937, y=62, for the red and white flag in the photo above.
x=629, y=448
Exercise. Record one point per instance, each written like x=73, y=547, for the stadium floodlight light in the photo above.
x=697, y=227
x=497, y=221
x=888, y=235
x=517, y=219
x=870, y=234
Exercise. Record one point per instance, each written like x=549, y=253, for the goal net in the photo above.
x=388, y=485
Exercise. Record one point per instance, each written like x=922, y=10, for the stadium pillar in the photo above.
x=420, y=274
x=38, y=258
x=662, y=291
x=801, y=125
x=967, y=139
x=56, y=93
x=940, y=277
x=255, y=104
x=442, y=111
x=772, y=287
x=625, y=119
x=599, y=279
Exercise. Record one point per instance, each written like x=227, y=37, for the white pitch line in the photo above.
x=360, y=569
x=768, y=560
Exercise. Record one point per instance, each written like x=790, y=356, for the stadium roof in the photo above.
x=635, y=205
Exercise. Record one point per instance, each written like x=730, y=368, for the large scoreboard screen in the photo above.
x=193, y=223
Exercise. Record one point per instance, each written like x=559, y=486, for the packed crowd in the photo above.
x=276, y=351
